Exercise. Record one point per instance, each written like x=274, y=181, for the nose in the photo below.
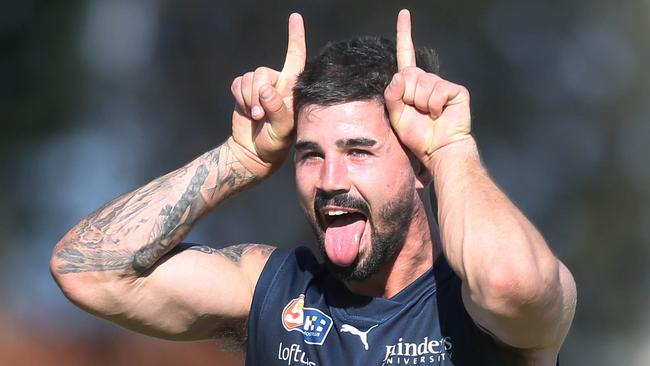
x=334, y=176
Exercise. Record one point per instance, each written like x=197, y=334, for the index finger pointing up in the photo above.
x=294, y=63
x=404, y=46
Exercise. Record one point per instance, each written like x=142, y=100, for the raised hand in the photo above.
x=426, y=112
x=262, y=122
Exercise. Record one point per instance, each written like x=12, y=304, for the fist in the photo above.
x=425, y=111
x=262, y=122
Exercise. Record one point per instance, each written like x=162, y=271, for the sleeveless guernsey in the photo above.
x=302, y=315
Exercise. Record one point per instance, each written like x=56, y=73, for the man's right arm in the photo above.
x=116, y=263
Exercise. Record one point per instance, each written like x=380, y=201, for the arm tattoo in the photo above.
x=78, y=261
x=233, y=253
x=235, y=174
x=95, y=244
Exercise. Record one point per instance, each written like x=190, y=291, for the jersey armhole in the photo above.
x=263, y=287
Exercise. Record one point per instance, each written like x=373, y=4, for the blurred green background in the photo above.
x=99, y=97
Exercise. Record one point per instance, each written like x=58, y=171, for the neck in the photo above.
x=414, y=258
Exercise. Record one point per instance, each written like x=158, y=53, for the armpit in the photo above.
x=232, y=337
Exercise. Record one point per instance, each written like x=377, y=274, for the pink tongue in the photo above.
x=342, y=239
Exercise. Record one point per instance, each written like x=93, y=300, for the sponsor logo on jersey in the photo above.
x=363, y=336
x=294, y=355
x=311, y=322
x=424, y=352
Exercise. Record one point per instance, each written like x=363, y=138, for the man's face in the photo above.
x=355, y=184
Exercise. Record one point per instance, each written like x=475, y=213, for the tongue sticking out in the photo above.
x=342, y=238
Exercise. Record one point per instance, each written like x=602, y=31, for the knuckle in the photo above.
x=247, y=86
x=271, y=98
x=437, y=100
x=262, y=71
x=235, y=86
x=424, y=81
x=247, y=77
x=449, y=84
x=443, y=87
x=276, y=107
x=433, y=77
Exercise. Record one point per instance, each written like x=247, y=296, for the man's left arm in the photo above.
x=513, y=285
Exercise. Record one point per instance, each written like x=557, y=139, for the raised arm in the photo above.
x=513, y=285
x=122, y=262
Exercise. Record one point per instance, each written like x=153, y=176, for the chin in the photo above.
x=367, y=264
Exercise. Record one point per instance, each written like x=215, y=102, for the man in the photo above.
x=372, y=132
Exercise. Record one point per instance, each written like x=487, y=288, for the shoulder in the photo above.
x=248, y=259
x=285, y=272
x=296, y=262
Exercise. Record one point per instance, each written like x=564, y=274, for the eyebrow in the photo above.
x=306, y=145
x=356, y=142
x=341, y=144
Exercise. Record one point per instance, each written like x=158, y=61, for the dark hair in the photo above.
x=353, y=70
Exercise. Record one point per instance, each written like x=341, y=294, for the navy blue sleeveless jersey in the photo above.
x=302, y=315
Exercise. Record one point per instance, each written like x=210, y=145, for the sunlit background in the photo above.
x=100, y=97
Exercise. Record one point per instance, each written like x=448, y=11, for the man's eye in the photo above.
x=357, y=152
x=309, y=155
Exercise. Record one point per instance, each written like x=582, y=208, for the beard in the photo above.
x=388, y=229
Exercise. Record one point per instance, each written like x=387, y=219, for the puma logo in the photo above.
x=346, y=328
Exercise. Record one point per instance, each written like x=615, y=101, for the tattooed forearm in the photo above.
x=234, y=174
x=174, y=219
x=86, y=251
x=75, y=260
x=134, y=231
x=233, y=253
